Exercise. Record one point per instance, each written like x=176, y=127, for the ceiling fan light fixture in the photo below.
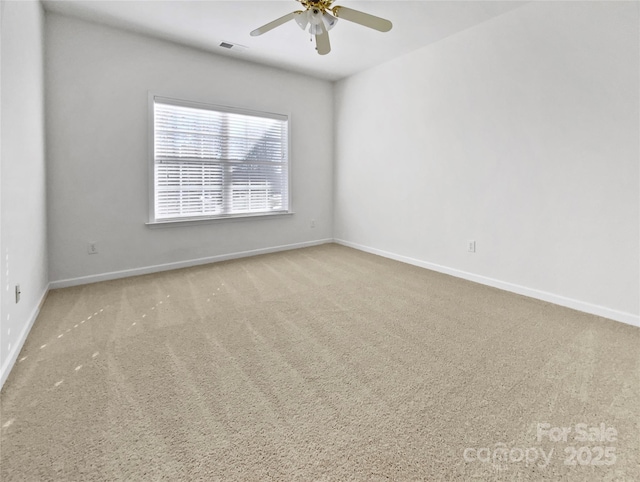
x=329, y=20
x=315, y=29
x=315, y=16
x=315, y=23
x=319, y=21
x=311, y=19
x=302, y=19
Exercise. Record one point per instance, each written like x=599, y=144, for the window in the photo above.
x=217, y=162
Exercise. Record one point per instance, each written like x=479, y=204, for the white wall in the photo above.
x=521, y=133
x=23, y=211
x=97, y=84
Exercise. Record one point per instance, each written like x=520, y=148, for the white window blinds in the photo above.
x=216, y=162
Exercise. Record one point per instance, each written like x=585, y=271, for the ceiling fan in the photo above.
x=317, y=20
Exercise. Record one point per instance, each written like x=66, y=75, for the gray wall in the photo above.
x=521, y=133
x=23, y=236
x=98, y=80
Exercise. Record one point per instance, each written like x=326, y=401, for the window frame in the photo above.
x=152, y=221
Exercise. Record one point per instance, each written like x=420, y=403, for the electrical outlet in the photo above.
x=18, y=293
x=92, y=248
x=313, y=223
x=471, y=246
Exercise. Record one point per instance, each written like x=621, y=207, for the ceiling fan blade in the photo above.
x=362, y=18
x=275, y=23
x=323, y=46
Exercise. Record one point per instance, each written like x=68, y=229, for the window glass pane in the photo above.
x=210, y=162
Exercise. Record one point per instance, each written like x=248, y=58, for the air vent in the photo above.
x=234, y=47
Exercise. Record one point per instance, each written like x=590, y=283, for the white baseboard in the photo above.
x=583, y=306
x=13, y=356
x=180, y=264
x=578, y=305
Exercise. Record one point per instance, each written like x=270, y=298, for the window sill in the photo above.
x=173, y=223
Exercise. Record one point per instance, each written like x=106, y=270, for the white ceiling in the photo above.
x=205, y=23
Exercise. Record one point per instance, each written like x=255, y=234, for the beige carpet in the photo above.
x=316, y=364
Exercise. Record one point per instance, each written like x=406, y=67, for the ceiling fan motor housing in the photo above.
x=323, y=5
